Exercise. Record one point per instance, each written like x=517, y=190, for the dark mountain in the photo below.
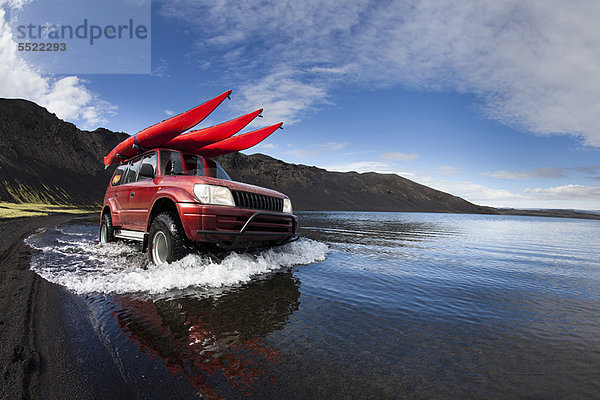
x=45, y=159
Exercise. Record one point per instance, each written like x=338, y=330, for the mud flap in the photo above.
x=145, y=241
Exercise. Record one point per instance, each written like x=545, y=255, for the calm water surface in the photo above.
x=370, y=305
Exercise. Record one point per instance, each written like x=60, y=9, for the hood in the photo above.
x=244, y=187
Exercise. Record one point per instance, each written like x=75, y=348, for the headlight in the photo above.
x=210, y=194
x=287, y=206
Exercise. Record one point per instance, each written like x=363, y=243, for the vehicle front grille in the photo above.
x=283, y=224
x=257, y=201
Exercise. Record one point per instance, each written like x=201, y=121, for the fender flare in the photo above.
x=115, y=211
x=174, y=195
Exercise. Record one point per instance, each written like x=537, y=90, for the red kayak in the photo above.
x=237, y=143
x=195, y=139
x=158, y=134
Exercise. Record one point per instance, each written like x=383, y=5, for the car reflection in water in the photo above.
x=215, y=335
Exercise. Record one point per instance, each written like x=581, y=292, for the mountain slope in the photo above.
x=45, y=159
x=312, y=188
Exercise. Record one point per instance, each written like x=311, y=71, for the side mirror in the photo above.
x=147, y=171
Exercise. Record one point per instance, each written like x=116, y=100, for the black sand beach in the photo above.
x=30, y=320
x=41, y=324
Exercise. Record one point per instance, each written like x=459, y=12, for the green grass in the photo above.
x=34, y=195
x=15, y=210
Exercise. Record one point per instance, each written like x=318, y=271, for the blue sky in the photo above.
x=496, y=102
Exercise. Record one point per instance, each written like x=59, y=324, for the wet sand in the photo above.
x=41, y=324
x=28, y=318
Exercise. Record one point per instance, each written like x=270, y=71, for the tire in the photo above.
x=167, y=241
x=107, y=232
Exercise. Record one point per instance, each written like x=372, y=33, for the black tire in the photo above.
x=167, y=241
x=107, y=232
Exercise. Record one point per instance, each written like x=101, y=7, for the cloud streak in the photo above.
x=544, y=173
x=395, y=156
x=282, y=97
x=316, y=150
x=533, y=65
x=567, y=196
x=567, y=192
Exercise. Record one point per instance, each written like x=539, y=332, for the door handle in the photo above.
x=132, y=194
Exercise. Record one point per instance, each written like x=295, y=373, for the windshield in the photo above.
x=193, y=165
x=175, y=163
x=213, y=169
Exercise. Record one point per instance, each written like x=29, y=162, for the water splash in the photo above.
x=72, y=257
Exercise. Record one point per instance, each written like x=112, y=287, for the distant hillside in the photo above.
x=312, y=188
x=45, y=159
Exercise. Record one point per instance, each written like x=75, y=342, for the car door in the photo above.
x=141, y=193
x=126, y=193
x=116, y=194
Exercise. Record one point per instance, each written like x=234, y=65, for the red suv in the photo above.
x=171, y=200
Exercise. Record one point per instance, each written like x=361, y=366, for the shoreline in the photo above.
x=500, y=211
x=42, y=325
x=28, y=309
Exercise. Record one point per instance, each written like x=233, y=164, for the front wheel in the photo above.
x=167, y=239
x=106, y=229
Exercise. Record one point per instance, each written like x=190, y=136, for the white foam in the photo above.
x=84, y=266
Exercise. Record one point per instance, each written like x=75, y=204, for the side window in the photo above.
x=131, y=176
x=118, y=175
x=148, y=159
x=170, y=163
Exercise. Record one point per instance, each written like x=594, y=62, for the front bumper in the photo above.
x=230, y=227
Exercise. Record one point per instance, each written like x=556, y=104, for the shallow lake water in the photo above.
x=366, y=305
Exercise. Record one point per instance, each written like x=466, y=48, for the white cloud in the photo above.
x=169, y=112
x=316, y=150
x=474, y=192
x=533, y=64
x=567, y=192
x=507, y=175
x=161, y=70
x=343, y=70
x=545, y=172
x=263, y=146
x=15, y=4
x=281, y=96
x=334, y=146
x=394, y=156
x=355, y=153
x=67, y=97
x=448, y=170
x=303, y=153
x=563, y=197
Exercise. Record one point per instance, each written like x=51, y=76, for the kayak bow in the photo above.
x=157, y=135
